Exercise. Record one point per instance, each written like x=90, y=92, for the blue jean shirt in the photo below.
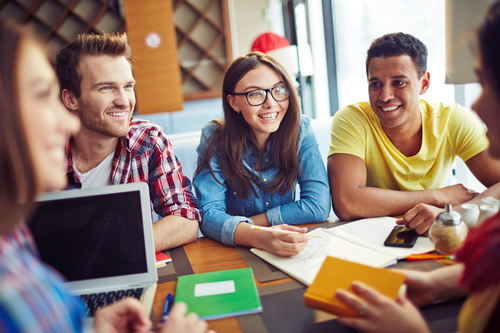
x=223, y=210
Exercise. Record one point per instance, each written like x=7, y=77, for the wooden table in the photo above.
x=207, y=255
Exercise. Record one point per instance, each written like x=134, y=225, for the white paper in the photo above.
x=214, y=288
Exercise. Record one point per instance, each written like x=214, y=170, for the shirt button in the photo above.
x=234, y=193
x=265, y=179
x=267, y=160
x=267, y=203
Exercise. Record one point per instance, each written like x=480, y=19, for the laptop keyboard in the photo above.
x=98, y=300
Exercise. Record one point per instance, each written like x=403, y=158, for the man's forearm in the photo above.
x=172, y=231
x=492, y=191
x=371, y=201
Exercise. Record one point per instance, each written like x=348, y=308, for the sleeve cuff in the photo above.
x=230, y=226
x=274, y=216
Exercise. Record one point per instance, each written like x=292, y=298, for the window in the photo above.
x=358, y=23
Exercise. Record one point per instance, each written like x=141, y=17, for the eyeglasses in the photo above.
x=258, y=96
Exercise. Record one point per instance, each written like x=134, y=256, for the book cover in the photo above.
x=219, y=294
x=162, y=258
x=339, y=274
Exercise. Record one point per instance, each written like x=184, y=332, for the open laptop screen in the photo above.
x=91, y=237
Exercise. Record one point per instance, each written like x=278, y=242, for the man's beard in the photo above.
x=95, y=123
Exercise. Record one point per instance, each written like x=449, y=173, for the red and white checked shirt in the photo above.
x=146, y=155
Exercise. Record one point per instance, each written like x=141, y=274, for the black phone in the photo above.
x=401, y=236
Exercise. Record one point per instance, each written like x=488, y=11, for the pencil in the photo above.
x=279, y=231
x=419, y=257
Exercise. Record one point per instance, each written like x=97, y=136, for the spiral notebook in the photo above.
x=360, y=241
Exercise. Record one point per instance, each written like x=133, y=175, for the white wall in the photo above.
x=248, y=19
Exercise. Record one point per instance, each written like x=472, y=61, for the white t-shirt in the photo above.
x=98, y=176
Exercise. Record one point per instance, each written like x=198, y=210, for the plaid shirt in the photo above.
x=146, y=155
x=33, y=297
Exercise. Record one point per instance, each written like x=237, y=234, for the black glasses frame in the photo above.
x=270, y=90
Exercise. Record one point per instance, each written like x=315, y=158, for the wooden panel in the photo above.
x=156, y=69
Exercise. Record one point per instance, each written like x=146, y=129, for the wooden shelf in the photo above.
x=59, y=21
x=203, y=40
x=202, y=32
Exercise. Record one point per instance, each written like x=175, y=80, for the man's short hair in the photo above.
x=398, y=44
x=68, y=58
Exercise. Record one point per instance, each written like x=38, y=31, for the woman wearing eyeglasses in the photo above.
x=250, y=162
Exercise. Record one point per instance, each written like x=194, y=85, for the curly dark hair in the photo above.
x=397, y=44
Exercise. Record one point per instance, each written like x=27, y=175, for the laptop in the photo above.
x=101, y=241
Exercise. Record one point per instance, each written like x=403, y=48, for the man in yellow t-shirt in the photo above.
x=397, y=151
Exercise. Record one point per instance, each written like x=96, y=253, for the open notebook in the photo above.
x=360, y=241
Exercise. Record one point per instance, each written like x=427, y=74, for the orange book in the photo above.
x=339, y=274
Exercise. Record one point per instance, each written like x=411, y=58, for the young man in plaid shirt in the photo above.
x=97, y=84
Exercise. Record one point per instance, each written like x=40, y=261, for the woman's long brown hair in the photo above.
x=232, y=138
x=17, y=180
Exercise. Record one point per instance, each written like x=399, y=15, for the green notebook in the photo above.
x=219, y=294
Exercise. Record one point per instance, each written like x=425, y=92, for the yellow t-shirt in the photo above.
x=448, y=130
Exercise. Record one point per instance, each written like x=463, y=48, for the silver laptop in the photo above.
x=100, y=240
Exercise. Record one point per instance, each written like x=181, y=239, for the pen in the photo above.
x=166, y=309
x=418, y=257
x=279, y=231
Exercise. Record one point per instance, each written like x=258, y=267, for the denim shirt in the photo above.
x=223, y=210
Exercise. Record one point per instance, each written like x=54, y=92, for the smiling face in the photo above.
x=266, y=118
x=47, y=123
x=487, y=107
x=394, y=89
x=107, y=95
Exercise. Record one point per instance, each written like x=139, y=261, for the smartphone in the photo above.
x=401, y=236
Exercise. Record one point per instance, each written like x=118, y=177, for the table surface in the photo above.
x=223, y=258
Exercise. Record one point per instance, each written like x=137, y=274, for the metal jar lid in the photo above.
x=449, y=217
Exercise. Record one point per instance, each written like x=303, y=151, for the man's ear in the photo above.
x=69, y=100
x=233, y=102
x=426, y=82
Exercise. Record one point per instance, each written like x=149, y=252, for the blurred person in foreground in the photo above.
x=34, y=131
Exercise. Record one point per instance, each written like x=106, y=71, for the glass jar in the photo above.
x=448, y=232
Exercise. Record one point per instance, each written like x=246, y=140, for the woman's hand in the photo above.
x=283, y=245
x=380, y=313
x=278, y=243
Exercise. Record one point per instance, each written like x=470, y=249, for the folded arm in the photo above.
x=236, y=230
x=352, y=199
x=172, y=231
x=484, y=168
x=172, y=198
